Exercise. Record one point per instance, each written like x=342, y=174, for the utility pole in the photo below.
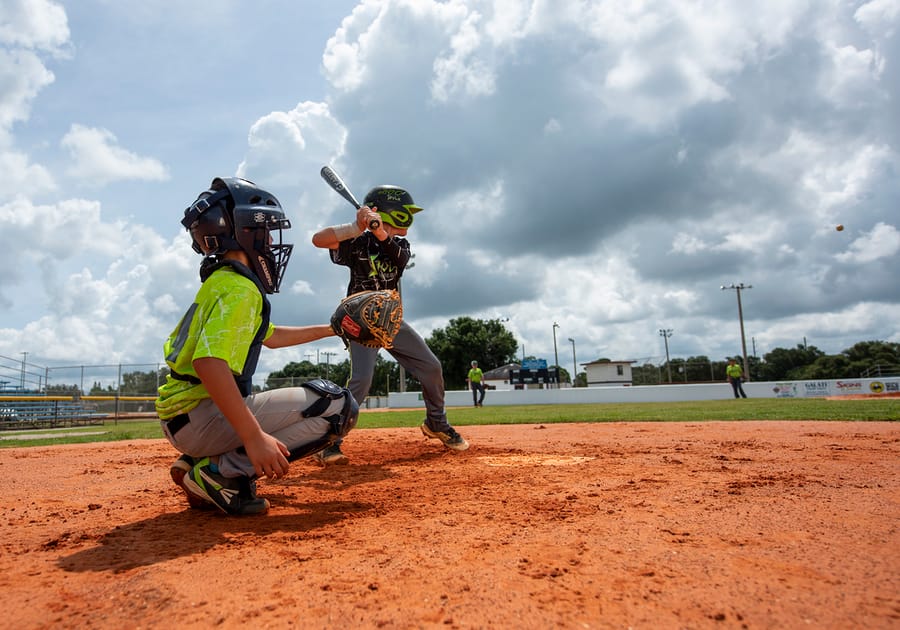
x=24, y=356
x=574, y=363
x=665, y=333
x=738, y=288
x=555, y=353
x=328, y=356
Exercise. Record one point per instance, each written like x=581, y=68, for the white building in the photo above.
x=606, y=373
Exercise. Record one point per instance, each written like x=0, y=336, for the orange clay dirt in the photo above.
x=621, y=525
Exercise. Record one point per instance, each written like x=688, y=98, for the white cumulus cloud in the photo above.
x=98, y=159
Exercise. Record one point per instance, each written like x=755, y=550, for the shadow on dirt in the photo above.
x=168, y=536
x=151, y=540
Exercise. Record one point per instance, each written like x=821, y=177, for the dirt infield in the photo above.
x=622, y=525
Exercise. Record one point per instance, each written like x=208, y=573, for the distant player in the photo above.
x=376, y=259
x=735, y=376
x=475, y=377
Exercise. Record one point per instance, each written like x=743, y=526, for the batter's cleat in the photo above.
x=232, y=495
x=450, y=437
x=181, y=467
x=332, y=456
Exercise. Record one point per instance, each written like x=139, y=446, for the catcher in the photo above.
x=229, y=435
x=377, y=258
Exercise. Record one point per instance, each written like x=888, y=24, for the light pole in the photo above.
x=665, y=333
x=24, y=356
x=738, y=288
x=555, y=353
x=574, y=363
x=328, y=356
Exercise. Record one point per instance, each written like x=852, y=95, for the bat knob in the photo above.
x=374, y=224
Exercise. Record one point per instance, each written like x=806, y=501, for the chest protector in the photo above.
x=244, y=380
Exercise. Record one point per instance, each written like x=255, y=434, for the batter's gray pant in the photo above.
x=410, y=351
x=278, y=412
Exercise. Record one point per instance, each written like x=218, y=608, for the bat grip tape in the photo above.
x=346, y=231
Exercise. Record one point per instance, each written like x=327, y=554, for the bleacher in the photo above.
x=42, y=412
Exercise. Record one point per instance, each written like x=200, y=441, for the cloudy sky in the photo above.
x=605, y=165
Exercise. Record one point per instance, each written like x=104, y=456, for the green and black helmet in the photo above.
x=395, y=206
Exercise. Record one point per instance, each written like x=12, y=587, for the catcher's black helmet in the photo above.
x=235, y=214
x=394, y=204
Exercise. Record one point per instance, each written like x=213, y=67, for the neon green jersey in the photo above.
x=221, y=323
x=734, y=371
x=475, y=375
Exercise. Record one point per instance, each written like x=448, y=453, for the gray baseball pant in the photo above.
x=278, y=412
x=410, y=351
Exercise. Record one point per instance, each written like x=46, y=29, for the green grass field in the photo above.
x=700, y=411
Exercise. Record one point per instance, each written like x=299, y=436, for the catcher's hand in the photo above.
x=370, y=318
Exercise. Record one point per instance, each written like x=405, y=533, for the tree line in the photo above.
x=802, y=363
x=491, y=344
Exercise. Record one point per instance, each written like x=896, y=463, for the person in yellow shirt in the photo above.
x=476, y=383
x=735, y=376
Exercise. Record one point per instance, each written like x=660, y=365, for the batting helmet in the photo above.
x=394, y=204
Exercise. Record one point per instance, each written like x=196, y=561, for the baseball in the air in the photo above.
x=839, y=227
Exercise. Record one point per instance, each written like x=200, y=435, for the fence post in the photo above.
x=118, y=393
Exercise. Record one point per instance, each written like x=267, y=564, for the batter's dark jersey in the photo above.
x=374, y=264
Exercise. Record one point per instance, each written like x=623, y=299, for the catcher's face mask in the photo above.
x=235, y=214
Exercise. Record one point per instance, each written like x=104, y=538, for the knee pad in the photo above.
x=326, y=391
x=341, y=423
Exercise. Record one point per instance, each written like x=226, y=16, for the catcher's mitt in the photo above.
x=370, y=318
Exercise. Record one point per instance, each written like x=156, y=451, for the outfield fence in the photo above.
x=46, y=412
x=18, y=376
x=33, y=412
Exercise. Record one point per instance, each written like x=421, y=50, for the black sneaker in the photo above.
x=181, y=467
x=332, y=456
x=450, y=437
x=232, y=495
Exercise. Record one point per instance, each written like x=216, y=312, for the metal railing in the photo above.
x=32, y=412
x=880, y=371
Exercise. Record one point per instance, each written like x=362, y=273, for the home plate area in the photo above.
x=534, y=460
